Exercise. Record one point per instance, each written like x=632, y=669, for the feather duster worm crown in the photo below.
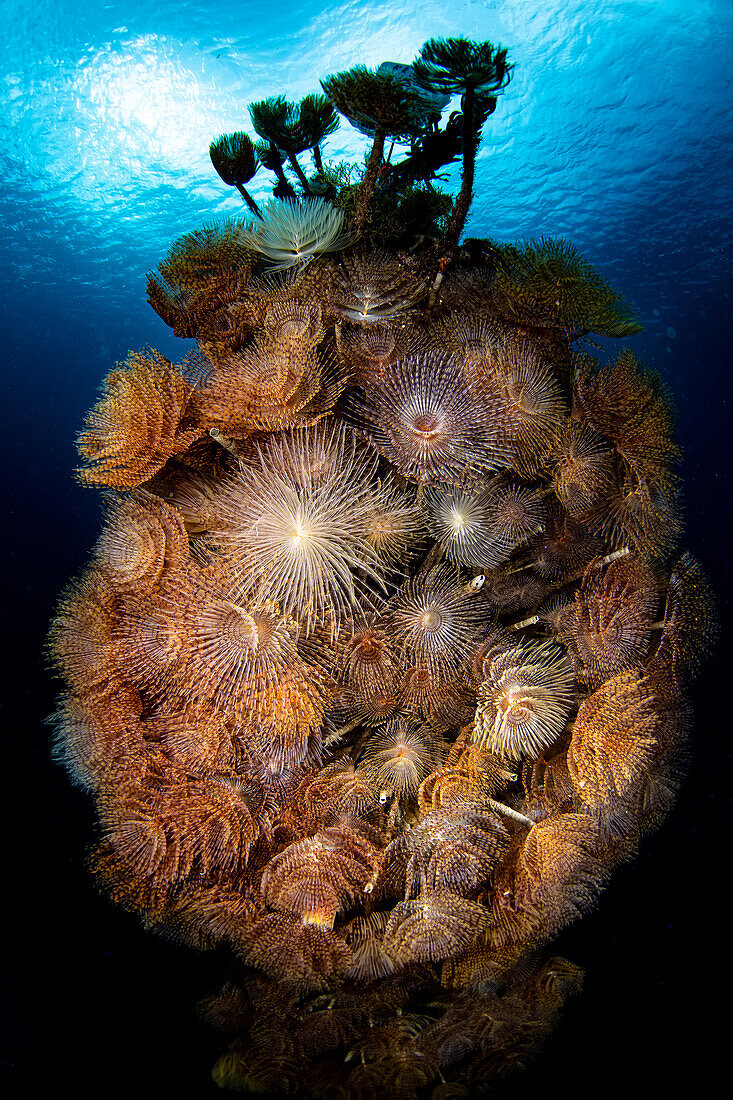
x=380, y=663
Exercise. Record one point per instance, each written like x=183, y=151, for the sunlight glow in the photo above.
x=140, y=112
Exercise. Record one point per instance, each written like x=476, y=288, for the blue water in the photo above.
x=616, y=131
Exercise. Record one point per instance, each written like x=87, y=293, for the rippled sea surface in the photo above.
x=615, y=132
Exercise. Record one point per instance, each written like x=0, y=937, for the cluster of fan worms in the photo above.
x=380, y=663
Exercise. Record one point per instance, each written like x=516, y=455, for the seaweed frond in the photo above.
x=235, y=160
x=547, y=283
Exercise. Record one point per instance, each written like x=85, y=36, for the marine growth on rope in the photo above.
x=380, y=663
